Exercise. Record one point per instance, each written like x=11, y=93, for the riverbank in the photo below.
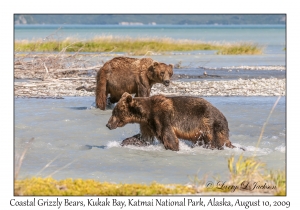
x=37, y=186
x=63, y=87
x=260, y=181
x=135, y=46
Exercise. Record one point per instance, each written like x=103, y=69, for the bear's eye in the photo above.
x=162, y=73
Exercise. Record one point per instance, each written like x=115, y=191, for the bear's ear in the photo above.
x=152, y=66
x=129, y=99
x=171, y=65
x=125, y=94
x=155, y=63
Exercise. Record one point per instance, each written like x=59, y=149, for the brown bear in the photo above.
x=132, y=75
x=170, y=118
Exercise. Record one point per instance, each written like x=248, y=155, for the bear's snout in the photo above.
x=108, y=125
x=112, y=123
x=167, y=82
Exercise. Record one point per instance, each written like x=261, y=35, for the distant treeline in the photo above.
x=174, y=19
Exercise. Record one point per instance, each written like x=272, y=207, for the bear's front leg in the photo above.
x=135, y=140
x=169, y=139
x=143, y=91
x=100, y=100
x=101, y=93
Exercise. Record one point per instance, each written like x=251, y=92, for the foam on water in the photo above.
x=158, y=147
x=71, y=128
x=112, y=144
x=186, y=147
x=280, y=148
x=154, y=147
x=258, y=151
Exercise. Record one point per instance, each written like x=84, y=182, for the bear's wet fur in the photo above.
x=135, y=140
x=132, y=75
x=169, y=119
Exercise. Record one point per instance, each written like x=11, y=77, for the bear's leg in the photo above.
x=146, y=134
x=208, y=140
x=221, y=139
x=135, y=140
x=228, y=144
x=101, y=90
x=143, y=91
x=145, y=138
x=169, y=139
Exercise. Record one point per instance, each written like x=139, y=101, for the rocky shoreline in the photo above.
x=63, y=74
x=63, y=87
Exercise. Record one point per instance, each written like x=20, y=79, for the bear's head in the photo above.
x=160, y=73
x=126, y=111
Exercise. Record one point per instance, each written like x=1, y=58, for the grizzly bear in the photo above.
x=171, y=118
x=132, y=75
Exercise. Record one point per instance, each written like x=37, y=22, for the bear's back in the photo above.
x=194, y=107
x=120, y=63
x=192, y=115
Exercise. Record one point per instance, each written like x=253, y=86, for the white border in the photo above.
x=154, y=6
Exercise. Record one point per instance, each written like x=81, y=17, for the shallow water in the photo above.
x=72, y=133
x=221, y=67
x=188, y=74
x=205, y=59
x=272, y=37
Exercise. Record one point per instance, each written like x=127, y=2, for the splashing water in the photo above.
x=89, y=150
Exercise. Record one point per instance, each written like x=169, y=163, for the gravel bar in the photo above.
x=59, y=88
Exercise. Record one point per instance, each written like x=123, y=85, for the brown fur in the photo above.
x=135, y=140
x=171, y=118
x=132, y=75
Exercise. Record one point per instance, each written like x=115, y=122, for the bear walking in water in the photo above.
x=171, y=118
x=132, y=75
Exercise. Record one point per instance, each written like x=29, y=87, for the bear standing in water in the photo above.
x=132, y=75
x=171, y=118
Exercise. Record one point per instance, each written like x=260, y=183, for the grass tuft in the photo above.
x=240, y=49
x=134, y=46
x=247, y=175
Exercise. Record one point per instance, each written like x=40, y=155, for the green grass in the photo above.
x=49, y=186
x=240, y=49
x=242, y=170
x=138, y=46
x=252, y=170
x=247, y=174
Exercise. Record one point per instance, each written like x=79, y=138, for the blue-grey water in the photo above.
x=273, y=37
x=70, y=133
x=74, y=132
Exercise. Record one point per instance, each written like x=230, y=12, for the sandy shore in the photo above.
x=58, y=88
